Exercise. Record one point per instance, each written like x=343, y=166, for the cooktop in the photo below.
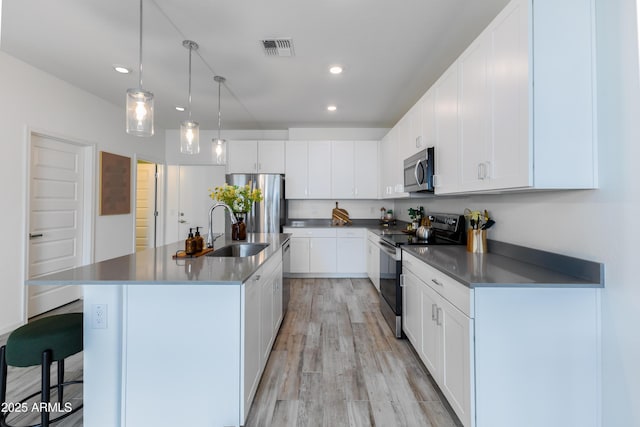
x=447, y=229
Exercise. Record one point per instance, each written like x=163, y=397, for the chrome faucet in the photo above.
x=210, y=238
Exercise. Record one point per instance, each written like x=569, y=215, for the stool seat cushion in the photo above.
x=62, y=334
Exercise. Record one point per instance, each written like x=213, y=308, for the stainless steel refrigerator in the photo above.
x=267, y=216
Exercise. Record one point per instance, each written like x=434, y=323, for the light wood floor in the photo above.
x=336, y=363
x=24, y=381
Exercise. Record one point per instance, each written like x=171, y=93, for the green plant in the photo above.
x=417, y=213
x=239, y=199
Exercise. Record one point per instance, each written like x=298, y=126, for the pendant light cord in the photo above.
x=219, y=114
x=190, y=50
x=140, y=59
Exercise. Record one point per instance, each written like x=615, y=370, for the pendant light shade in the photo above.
x=220, y=145
x=139, y=109
x=190, y=130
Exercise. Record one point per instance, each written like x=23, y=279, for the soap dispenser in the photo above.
x=190, y=243
x=199, y=240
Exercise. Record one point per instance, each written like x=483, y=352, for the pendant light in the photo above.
x=139, y=103
x=220, y=144
x=189, y=130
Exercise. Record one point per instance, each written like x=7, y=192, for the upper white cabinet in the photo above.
x=354, y=169
x=446, y=178
x=416, y=129
x=526, y=101
x=391, y=164
x=308, y=169
x=255, y=157
x=427, y=111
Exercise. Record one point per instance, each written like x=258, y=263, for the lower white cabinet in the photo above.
x=441, y=333
x=373, y=259
x=335, y=252
x=262, y=308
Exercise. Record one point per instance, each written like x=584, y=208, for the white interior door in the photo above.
x=194, y=183
x=145, y=205
x=56, y=218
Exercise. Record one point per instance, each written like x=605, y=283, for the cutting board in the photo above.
x=340, y=216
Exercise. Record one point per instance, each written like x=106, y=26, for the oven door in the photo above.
x=390, y=290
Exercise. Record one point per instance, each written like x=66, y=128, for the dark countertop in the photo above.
x=495, y=270
x=156, y=266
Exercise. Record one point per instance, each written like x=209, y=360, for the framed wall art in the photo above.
x=115, y=184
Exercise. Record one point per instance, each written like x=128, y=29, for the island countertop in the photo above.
x=156, y=266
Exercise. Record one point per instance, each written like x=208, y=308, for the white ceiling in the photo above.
x=391, y=51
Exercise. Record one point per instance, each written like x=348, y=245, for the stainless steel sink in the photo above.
x=239, y=250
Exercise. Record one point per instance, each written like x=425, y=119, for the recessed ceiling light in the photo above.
x=332, y=108
x=336, y=69
x=121, y=69
x=179, y=108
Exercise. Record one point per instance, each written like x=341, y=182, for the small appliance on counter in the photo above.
x=446, y=229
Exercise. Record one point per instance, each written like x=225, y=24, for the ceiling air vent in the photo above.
x=278, y=47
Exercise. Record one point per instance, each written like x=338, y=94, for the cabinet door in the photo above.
x=271, y=157
x=375, y=265
x=299, y=255
x=350, y=255
x=242, y=156
x=508, y=60
x=457, y=375
x=428, y=119
x=365, y=169
x=319, y=170
x=296, y=153
x=266, y=317
x=252, y=360
x=416, y=134
x=342, y=166
x=386, y=165
x=446, y=119
x=412, y=309
x=277, y=299
x=474, y=116
x=431, y=331
x=322, y=255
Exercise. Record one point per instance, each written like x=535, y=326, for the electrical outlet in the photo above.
x=99, y=316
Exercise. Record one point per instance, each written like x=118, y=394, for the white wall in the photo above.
x=321, y=209
x=600, y=225
x=37, y=101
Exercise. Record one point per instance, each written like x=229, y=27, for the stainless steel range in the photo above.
x=448, y=229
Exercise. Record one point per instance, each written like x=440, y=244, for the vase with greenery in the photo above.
x=240, y=199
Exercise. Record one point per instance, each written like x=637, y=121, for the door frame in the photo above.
x=89, y=190
x=160, y=189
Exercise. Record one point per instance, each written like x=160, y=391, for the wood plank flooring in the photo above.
x=24, y=381
x=336, y=363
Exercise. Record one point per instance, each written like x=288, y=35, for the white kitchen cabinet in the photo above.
x=438, y=323
x=373, y=259
x=252, y=349
x=351, y=251
x=416, y=135
x=353, y=176
x=299, y=254
x=446, y=177
x=255, y=157
x=308, y=169
x=526, y=104
x=428, y=119
x=392, y=166
x=322, y=255
x=262, y=313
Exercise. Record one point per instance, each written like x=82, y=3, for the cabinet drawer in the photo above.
x=459, y=295
x=310, y=232
x=351, y=232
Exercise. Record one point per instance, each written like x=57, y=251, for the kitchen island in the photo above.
x=177, y=341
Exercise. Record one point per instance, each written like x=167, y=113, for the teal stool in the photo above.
x=42, y=342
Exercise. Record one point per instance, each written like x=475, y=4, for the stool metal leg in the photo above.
x=46, y=384
x=3, y=375
x=60, y=379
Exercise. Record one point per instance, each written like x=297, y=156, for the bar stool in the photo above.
x=42, y=342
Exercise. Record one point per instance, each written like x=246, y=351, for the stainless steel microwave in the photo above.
x=418, y=171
